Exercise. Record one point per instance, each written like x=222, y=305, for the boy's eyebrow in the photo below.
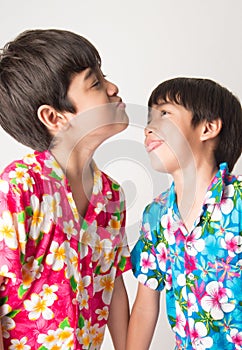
x=163, y=103
x=88, y=74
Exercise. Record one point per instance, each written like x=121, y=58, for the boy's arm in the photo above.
x=143, y=318
x=119, y=315
x=1, y=335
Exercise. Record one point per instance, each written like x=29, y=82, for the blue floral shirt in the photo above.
x=200, y=270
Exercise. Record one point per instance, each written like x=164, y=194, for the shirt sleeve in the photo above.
x=11, y=232
x=145, y=256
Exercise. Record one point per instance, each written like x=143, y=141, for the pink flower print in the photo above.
x=180, y=321
x=235, y=337
x=147, y=262
x=198, y=333
x=170, y=223
x=232, y=244
x=195, y=244
x=162, y=256
x=216, y=300
x=146, y=231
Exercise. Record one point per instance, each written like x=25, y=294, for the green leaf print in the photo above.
x=39, y=259
x=3, y=300
x=81, y=322
x=55, y=176
x=115, y=187
x=98, y=270
x=122, y=263
x=18, y=165
x=22, y=256
x=64, y=323
x=73, y=283
x=29, y=211
x=42, y=348
x=13, y=181
x=21, y=217
x=21, y=291
x=39, y=238
x=13, y=313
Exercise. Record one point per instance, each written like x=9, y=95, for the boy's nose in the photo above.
x=112, y=89
x=148, y=131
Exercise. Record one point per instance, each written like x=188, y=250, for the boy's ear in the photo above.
x=51, y=118
x=211, y=129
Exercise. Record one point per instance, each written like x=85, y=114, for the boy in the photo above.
x=62, y=241
x=190, y=239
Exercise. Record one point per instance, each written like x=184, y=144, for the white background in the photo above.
x=141, y=44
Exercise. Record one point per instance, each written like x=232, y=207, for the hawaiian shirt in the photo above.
x=200, y=270
x=58, y=272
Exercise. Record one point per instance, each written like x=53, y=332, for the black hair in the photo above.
x=35, y=69
x=207, y=100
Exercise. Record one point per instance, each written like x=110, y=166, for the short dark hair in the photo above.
x=207, y=100
x=35, y=69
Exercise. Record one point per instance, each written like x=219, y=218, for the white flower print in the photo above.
x=38, y=306
x=232, y=244
x=19, y=344
x=52, y=205
x=105, y=284
x=162, y=256
x=7, y=325
x=146, y=231
x=4, y=271
x=69, y=229
x=31, y=270
x=225, y=206
x=216, y=300
x=191, y=304
x=102, y=313
x=48, y=340
x=195, y=244
x=41, y=219
x=7, y=230
x=83, y=299
x=4, y=186
x=57, y=256
x=65, y=337
x=198, y=333
x=48, y=292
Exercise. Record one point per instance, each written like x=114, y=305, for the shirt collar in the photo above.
x=215, y=190
x=217, y=185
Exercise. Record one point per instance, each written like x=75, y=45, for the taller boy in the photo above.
x=62, y=239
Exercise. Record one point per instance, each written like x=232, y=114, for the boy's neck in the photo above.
x=191, y=186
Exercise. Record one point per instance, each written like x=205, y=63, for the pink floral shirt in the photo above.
x=58, y=274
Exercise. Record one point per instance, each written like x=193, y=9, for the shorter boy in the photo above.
x=62, y=221
x=190, y=240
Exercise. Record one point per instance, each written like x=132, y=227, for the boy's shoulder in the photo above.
x=160, y=204
x=20, y=167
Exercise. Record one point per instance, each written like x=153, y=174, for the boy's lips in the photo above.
x=153, y=144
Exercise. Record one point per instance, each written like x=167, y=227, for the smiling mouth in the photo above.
x=153, y=145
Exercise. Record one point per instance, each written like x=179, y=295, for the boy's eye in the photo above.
x=164, y=113
x=96, y=83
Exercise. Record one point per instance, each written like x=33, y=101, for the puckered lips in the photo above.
x=152, y=144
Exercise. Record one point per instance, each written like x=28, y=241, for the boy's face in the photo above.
x=100, y=112
x=170, y=140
